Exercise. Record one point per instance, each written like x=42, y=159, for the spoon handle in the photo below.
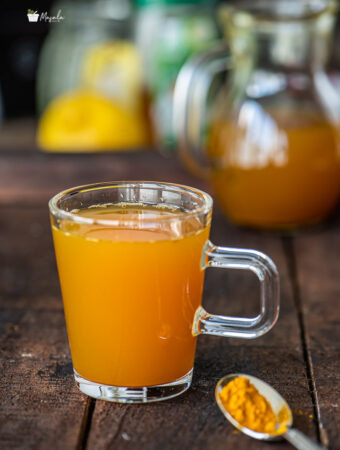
x=301, y=441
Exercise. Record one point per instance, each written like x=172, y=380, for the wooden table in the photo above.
x=41, y=407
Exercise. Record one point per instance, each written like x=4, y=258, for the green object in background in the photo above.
x=168, y=32
x=178, y=41
x=172, y=2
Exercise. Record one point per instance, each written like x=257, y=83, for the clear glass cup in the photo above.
x=132, y=281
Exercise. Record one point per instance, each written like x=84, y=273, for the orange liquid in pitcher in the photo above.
x=130, y=295
x=273, y=176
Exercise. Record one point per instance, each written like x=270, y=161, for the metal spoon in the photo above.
x=295, y=437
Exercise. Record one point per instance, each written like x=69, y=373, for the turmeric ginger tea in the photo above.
x=130, y=295
x=271, y=175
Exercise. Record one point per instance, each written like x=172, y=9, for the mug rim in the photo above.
x=59, y=213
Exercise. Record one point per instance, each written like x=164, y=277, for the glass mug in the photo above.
x=131, y=258
x=268, y=140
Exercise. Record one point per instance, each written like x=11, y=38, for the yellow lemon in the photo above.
x=114, y=69
x=84, y=121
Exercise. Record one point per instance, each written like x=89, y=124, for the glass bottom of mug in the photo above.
x=122, y=394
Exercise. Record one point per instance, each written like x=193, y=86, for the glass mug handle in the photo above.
x=267, y=273
x=190, y=99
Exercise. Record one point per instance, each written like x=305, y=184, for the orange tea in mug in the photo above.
x=131, y=260
x=136, y=277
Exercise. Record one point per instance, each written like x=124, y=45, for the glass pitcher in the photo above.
x=269, y=140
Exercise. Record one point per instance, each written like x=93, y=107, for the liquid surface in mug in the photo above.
x=276, y=173
x=130, y=294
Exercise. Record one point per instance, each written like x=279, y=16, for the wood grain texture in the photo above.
x=318, y=271
x=28, y=277
x=40, y=406
x=33, y=178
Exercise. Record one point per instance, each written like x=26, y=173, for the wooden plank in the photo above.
x=35, y=178
x=28, y=277
x=40, y=406
x=193, y=420
x=318, y=272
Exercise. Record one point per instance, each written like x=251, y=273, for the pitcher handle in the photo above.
x=190, y=104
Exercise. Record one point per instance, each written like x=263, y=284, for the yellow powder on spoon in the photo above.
x=249, y=408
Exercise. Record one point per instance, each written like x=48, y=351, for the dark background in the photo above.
x=20, y=44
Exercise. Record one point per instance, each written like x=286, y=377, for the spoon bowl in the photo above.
x=278, y=404
x=276, y=401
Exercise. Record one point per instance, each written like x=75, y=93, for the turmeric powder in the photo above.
x=248, y=407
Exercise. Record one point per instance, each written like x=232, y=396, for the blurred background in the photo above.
x=42, y=60
x=80, y=76
x=129, y=52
